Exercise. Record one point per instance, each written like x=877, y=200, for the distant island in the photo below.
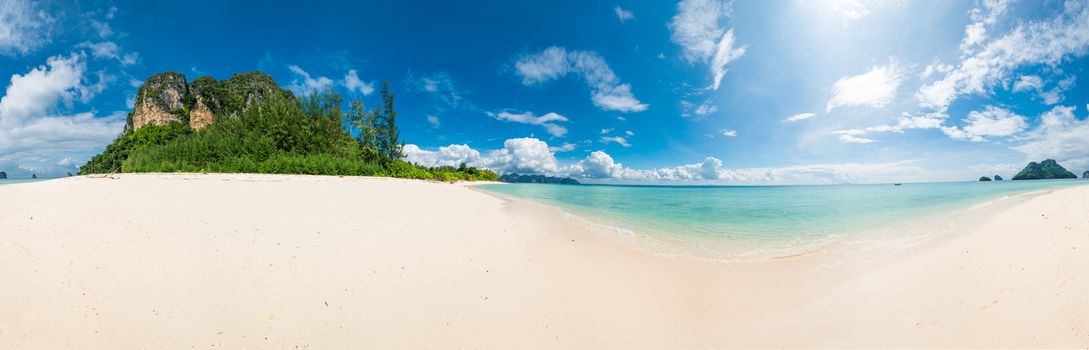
x=1085, y=175
x=984, y=178
x=3, y=175
x=538, y=179
x=997, y=178
x=1045, y=170
x=249, y=124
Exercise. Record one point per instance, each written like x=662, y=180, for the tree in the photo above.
x=389, y=143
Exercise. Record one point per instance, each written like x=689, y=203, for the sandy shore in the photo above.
x=293, y=262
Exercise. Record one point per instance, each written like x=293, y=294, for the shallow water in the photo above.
x=737, y=220
x=18, y=181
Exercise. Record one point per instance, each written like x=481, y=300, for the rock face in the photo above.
x=1047, y=169
x=3, y=175
x=167, y=97
x=159, y=100
x=997, y=178
x=984, y=178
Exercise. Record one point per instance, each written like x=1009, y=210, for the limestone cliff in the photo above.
x=159, y=100
x=167, y=97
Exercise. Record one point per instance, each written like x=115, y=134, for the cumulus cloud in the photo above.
x=303, y=84
x=623, y=15
x=1049, y=41
x=35, y=132
x=1059, y=135
x=24, y=27
x=352, y=82
x=698, y=28
x=553, y=63
x=994, y=121
x=875, y=88
x=728, y=132
x=533, y=156
x=799, y=117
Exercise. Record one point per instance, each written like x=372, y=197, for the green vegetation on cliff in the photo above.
x=538, y=179
x=1047, y=169
x=260, y=128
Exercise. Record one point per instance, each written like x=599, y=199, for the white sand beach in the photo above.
x=308, y=262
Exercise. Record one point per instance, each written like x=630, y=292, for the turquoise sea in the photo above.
x=17, y=181
x=729, y=222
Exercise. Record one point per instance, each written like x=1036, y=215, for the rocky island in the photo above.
x=538, y=179
x=3, y=175
x=1045, y=170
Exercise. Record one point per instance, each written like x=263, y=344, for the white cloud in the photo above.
x=434, y=121
x=705, y=108
x=850, y=10
x=906, y=121
x=1028, y=82
x=606, y=91
x=1059, y=135
x=110, y=50
x=620, y=140
x=1049, y=41
x=993, y=121
x=725, y=53
x=565, y=147
x=36, y=133
x=728, y=132
x=352, y=82
x=24, y=27
x=533, y=156
x=452, y=155
x=848, y=138
x=629, y=133
x=799, y=117
x=623, y=15
x=1055, y=95
x=698, y=28
x=1052, y=96
x=976, y=32
x=308, y=85
x=935, y=68
x=548, y=121
x=440, y=89
x=875, y=88
x=607, y=130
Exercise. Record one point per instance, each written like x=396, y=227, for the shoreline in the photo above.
x=941, y=225
x=234, y=261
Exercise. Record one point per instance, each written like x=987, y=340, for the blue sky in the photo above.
x=697, y=91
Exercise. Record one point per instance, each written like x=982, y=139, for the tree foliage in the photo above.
x=275, y=133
